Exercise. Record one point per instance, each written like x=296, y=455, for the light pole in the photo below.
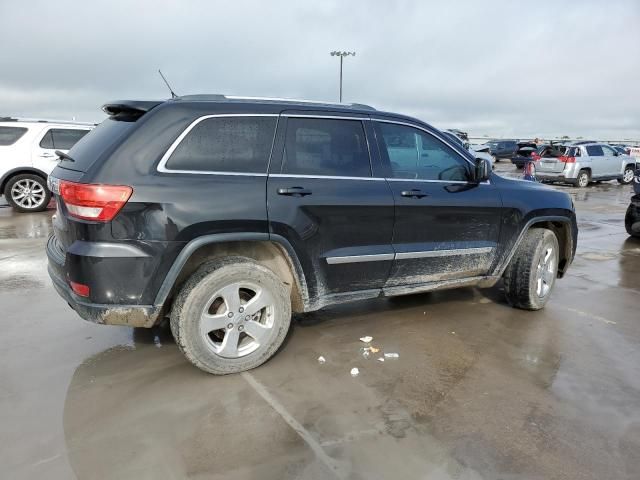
x=337, y=53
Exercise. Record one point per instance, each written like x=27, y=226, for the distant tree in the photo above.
x=579, y=138
x=565, y=137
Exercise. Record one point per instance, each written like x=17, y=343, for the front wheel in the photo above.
x=231, y=315
x=27, y=193
x=531, y=275
x=627, y=176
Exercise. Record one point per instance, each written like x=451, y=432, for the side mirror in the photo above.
x=483, y=169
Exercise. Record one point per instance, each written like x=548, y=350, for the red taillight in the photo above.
x=79, y=288
x=99, y=203
x=568, y=159
x=535, y=157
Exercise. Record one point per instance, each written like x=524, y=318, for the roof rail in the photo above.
x=220, y=97
x=43, y=120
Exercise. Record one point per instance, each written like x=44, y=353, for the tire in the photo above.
x=583, y=179
x=525, y=286
x=37, y=194
x=208, y=295
x=627, y=175
x=632, y=221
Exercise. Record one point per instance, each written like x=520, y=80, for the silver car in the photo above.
x=582, y=164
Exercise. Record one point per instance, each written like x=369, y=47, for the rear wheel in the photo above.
x=27, y=193
x=627, y=175
x=231, y=315
x=531, y=275
x=583, y=179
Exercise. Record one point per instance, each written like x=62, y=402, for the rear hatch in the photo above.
x=97, y=146
x=552, y=159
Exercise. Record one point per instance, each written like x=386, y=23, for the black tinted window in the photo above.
x=10, y=135
x=414, y=154
x=62, y=138
x=326, y=147
x=47, y=140
x=226, y=144
x=594, y=151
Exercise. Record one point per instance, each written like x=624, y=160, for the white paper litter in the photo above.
x=391, y=355
x=381, y=359
x=366, y=339
x=321, y=359
x=355, y=372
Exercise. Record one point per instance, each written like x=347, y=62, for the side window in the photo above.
x=317, y=146
x=65, y=138
x=47, y=140
x=61, y=138
x=10, y=135
x=226, y=144
x=414, y=154
x=594, y=151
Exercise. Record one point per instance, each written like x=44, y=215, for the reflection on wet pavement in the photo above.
x=479, y=390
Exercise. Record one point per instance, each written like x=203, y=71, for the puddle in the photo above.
x=598, y=256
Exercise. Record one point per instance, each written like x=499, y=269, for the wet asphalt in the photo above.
x=479, y=391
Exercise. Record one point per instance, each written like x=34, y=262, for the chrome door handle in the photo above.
x=47, y=155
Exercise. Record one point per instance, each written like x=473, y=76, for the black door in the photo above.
x=446, y=226
x=322, y=197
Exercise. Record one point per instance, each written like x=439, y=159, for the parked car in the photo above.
x=582, y=164
x=524, y=153
x=27, y=156
x=632, y=218
x=227, y=214
x=502, y=148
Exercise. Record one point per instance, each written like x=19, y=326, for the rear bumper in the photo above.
x=568, y=174
x=108, y=314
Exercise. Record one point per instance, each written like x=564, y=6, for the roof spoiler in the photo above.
x=129, y=108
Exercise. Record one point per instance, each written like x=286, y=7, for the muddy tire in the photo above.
x=531, y=275
x=632, y=221
x=231, y=315
x=627, y=175
x=583, y=179
x=27, y=193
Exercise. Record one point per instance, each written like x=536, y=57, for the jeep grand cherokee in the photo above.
x=228, y=214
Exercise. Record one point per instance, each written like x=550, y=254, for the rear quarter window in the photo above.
x=10, y=135
x=225, y=144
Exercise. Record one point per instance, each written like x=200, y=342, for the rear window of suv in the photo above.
x=10, y=135
x=226, y=144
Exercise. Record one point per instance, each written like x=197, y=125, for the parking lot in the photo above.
x=479, y=390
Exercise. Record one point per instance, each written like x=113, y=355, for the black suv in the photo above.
x=227, y=214
x=503, y=148
x=632, y=218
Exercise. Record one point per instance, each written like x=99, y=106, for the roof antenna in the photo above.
x=173, y=94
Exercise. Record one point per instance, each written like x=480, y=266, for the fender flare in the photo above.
x=17, y=171
x=193, y=245
x=502, y=265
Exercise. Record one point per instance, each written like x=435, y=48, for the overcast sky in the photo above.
x=502, y=68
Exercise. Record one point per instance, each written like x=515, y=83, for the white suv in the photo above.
x=27, y=156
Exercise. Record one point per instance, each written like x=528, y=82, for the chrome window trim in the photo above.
x=330, y=177
x=379, y=257
x=443, y=253
x=167, y=155
x=488, y=182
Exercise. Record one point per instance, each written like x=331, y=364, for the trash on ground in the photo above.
x=381, y=359
x=366, y=339
x=374, y=349
x=453, y=333
x=391, y=355
x=365, y=353
x=321, y=359
x=355, y=372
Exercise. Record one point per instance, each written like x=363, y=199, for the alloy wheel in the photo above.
x=237, y=319
x=28, y=193
x=546, y=272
